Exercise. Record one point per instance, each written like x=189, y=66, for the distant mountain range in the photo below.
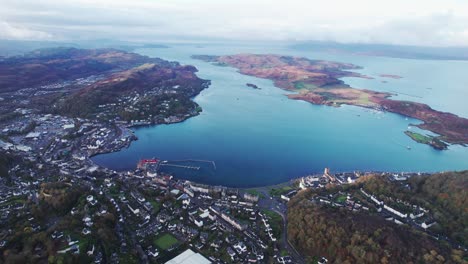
x=19, y=47
x=16, y=47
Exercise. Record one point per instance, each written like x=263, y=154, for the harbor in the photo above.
x=155, y=166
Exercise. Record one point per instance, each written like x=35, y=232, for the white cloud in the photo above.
x=9, y=31
x=415, y=22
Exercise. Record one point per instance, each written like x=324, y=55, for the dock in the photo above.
x=195, y=160
x=180, y=166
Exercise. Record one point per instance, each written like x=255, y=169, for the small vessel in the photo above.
x=408, y=147
x=143, y=163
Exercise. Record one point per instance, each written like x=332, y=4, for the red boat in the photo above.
x=142, y=163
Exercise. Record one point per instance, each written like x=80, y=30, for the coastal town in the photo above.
x=153, y=216
x=58, y=206
x=153, y=213
x=390, y=208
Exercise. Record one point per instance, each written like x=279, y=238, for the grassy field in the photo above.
x=280, y=191
x=418, y=137
x=255, y=192
x=429, y=140
x=341, y=198
x=165, y=241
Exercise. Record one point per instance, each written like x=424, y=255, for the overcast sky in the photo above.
x=409, y=22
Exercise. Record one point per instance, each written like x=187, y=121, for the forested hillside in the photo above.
x=344, y=236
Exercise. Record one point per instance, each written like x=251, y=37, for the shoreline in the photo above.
x=268, y=186
x=132, y=129
x=295, y=179
x=319, y=82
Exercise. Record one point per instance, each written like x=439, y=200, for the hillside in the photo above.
x=99, y=83
x=351, y=236
x=148, y=86
x=45, y=66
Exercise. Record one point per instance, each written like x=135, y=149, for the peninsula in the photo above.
x=104, y=84
x=318, y=82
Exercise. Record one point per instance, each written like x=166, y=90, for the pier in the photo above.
x=142, y=164
x=195, y=160
x=180, y=166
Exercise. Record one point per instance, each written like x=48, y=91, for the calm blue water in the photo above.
x=259, y=137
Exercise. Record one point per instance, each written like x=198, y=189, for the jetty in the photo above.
x=180, y=166
x=196, y=160
x=154, y=164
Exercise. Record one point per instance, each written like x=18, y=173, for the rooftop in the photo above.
x=189, y=257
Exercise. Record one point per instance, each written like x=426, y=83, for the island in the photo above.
x=427, y=139
x=319, y=82
x=251, y=85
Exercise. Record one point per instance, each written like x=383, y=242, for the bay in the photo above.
x=259, y=137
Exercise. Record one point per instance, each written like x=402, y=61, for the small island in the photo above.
x=428, y=140
x=251, y=85
x=319, y=82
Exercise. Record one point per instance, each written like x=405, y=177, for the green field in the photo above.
x=418, y=137
x=165, y=241
x=341, y=199
x=255, y=192
x=427, y=139
x=280, y=191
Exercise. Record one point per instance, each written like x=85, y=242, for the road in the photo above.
x=280, y=207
